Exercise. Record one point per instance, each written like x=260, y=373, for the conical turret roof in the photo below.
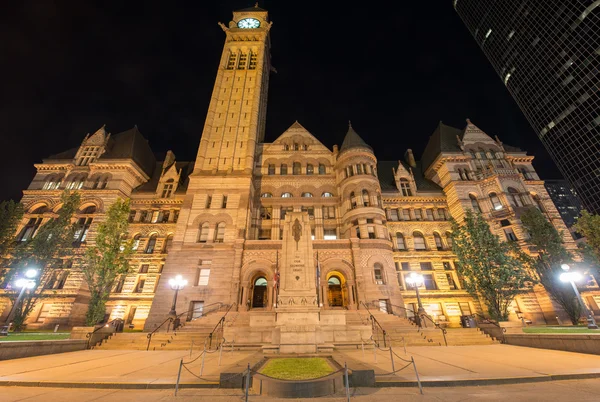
x=353, y=140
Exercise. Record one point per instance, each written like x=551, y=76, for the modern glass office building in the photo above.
x=547, y=53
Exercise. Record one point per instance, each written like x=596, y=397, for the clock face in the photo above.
x=248, y=23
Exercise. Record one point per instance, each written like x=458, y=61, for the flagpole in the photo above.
x=318, y=281
x=277, y=277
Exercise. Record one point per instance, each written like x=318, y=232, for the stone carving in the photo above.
x=297, y=231
x=303, y=301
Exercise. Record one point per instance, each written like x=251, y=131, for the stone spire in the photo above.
x=353, y=140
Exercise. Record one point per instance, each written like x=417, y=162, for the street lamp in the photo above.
x=573, y=277
x=24, y=283
x=416, y=280
x=176, y=284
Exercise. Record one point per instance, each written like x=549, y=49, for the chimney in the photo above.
x=169, y=160
x=410, y=158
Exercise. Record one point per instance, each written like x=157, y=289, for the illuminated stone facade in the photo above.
x=219, y=221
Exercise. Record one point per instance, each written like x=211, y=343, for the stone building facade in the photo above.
x=219, y=220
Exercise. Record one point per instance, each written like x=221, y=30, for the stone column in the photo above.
x=324, y=296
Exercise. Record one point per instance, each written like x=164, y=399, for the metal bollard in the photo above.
x=247, y=381
x=362, y=345
x=417, y=374
x=347, y=382
x=202, y=367
x=374, y=353
x=220, y=353
x=392, y=358
x=178, y=377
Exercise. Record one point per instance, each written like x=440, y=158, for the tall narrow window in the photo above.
x=539, y=203
x=371, y=231
x=449, y=239
x=231, y=61
x=81, y=230
x=167, y=188
x=224, y=202
x=438, y=241
x=429, y=213
x=515, y=197
x=168, y=244
x=406, y=214
x=203, y=237
x=394, y=215
x=151, y=244
x=321, y=168
x=136, y=241
x=208, y=201
x=283, y=170
x=365, y=198
x=400, y=243
x=271, y=170
x=242, y=61
x=474, y=203
x=419, y=241
x=310, y=169
x=352, y=200
x=378, y=274
x=405, y=188
x=418, y=214
x=203, y=275
x=220, y=233
x=328, y=212
x=297, y=168
x=29, y=230
x=495, y=201
x=510, y=234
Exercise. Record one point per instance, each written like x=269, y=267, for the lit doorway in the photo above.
x=259, y=293
x=337, y=291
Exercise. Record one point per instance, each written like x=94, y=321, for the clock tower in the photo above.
x=212, y=226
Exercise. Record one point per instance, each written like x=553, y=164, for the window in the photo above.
x=224, y=202
x=151, y=244
x=451, y=282
x=144, y=268
x=329, y=234
x=352, y=200
x=418, y=214
x=447, y=265
x=284, y=211
x=429, y=213
x=349, y=171
x=76, y=183
x=405, y=188
x=449, y=239
x=29, y=230
x=495, y=201
x=515, y=197
x=164, y=216
x=296, y=168
x=394, y=215
x=52, y=183
x=322, y=169
x=44, y=312
x=328, y=212
x=359, y=169
x=406, y=214
x=168, y=244
x=271, y=170
x=139, y=287
x=378, y=274
x=474, y=203
x=283, y=170
x=371, y=231
x=310, y=211
x=438, y=241
x=326, y=195
x=510, y=234
x=419, y=241
x=296, y=147
x=208, y=201
x=266, y=213
x=81, y=230
x=365, y=198
x=426, y=266
x=286, y=195
x=203, y=275
x=119, y=284
x=220, y=233
x=442, y=214
x=310, y=169
x=539, y=203
x=400, y=243
x=307, y=195
x=87, y=155
x=196, y=310
x=167, y=189
x=264, y=234
x=429, y=282
x=136, y=241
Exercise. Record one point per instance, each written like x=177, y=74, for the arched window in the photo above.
x=474, y=203
x=400, y=243
x=51, y=183
x=151, y=244
x=203, y=236
x=283, y=169
x=405, y=188
x=271, y=170
x=40, y=210
x=297, y=168
x=296, y=146
x=438, y=241
x=168, y=243
x=30, y=228
x=326, y=195
x=365, y=198
x=352, y=200
x=307, y=195
x=378, y=274
x=76, y=183
x=419, y=241
x=286, y=147
x=220, y=233
x=91, y=209
x=449, y=239
x=310, y=169
x=495, y=201
x=515, y=197
x=321, y=168
x=167, y=188
x=539, y=203
x=349, y=171
x=286, y=195
x=266, y=195
x=136, y=241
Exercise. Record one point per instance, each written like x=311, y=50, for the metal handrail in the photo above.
x=375, y=325
x=486, y=320
x=111, y=323
x=221, y=323
x=438, y=326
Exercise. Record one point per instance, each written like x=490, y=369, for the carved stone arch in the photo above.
x=96, y=201
x=212, y=219
x=337, y=264
x=308, y=189
x=33, y=204
x=256, y=267
x=514, y=184
x=286, y=189
x=326, y=188
x=148, y=231
x=371, y=187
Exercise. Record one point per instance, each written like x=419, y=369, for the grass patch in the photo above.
x=34, y=336
x=297, y=368
x=560, y=330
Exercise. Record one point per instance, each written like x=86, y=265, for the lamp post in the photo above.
x=176, y=284
x=24, y=283
x=416, y=280
x=573, y=277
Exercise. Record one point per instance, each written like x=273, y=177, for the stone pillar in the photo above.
x=325, y=296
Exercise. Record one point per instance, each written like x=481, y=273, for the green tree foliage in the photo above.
x=52, y=241
x=107, y=259
x=588, y=225
x=11, y=214
x=552, y=254
x=494, y=271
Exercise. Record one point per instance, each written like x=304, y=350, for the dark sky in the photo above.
x=394, y=68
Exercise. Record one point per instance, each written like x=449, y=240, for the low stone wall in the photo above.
x=581, y=343
x=19, y=349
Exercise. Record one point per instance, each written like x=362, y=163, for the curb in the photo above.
x=104, y=385
x=488, y=381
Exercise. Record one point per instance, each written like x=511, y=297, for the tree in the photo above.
x=107, y=259
x=552, y=254
x=495, y=271
x=588, y=225
x=53, y=240
x=11, y=214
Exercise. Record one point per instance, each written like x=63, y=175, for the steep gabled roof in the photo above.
x=353, y=140
x=387, y=181
x=131, y=144
x=443, y=139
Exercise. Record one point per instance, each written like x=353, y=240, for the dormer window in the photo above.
x=87, y=155
x=405, y=188
x=296, y=147
x=167, y=190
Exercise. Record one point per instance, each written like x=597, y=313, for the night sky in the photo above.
x=395, y=69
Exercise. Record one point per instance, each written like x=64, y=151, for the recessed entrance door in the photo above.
x=259, y=294
x=335, y=295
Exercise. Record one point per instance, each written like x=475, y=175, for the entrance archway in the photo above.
x=259, y=292
x=337, y=291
